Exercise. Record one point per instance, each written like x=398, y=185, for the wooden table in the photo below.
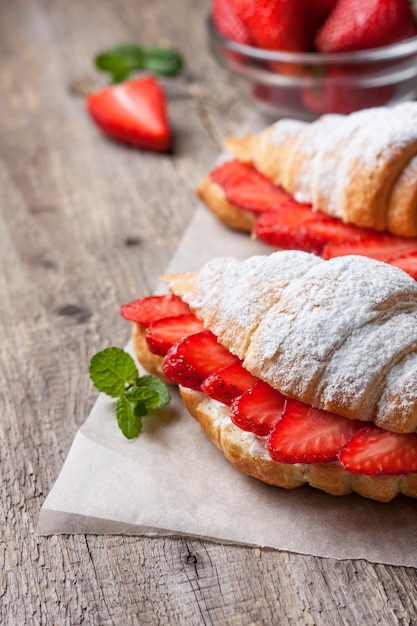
x=86, y=225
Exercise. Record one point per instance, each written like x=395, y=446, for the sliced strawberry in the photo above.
x=280, y=228
x=163, y=333
x=147, y=310
x=317, y=232
x=258, y=409
x=192, y=360
x=308, y=435
x=364, y=24
x=133, y=112
x=376, y=452
x=228, y=383
x=228, y=23
x=383, y=247
x=247, y=188
x=407, y=263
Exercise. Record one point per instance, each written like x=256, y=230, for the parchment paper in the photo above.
x=173, y=481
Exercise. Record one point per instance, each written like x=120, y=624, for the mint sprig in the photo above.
x=114, y=372
x=121, y=61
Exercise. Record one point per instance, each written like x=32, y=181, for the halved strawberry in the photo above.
x=163, y=333
x=376, y=452
x=308, y=435
x=258, y=409
x=383, y=247
x=407, y=263
x=133, y=112
x=192, y=360
x=247, y=188
x=317, y=232
x=280, y=228
x=228, y=383
x=146, y=310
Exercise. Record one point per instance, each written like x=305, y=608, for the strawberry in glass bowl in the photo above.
x=304, y=58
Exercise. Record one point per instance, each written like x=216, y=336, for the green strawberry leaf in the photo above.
x=112, y=370
x=163, y=61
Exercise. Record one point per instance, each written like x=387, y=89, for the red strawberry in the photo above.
x=275, y=24
x=228, y=23
x=163, y=333
x=308, y=435
x=280, y=228
x=317, y=232
x=334, y=93
x=383, y=247
x=146, y=310
x=407, y=263
x=247, y=188
x=258, y=409
x=133, y=112
x=192, y=360
x=228, y=383
x=364, y=24
x=318, y=12
x=376, y=452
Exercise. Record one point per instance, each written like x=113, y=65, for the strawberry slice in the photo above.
x=258, y=409
x=316, y=233
x=147, y=310
x=228, y=383
x=376, y=452
x=133, y=112
x=280, y=228
x=308, y=435
x=407, y=263
x=163, y=333
x=228, y=22
x=247, y=188
x=383, y=247
x=192, y=360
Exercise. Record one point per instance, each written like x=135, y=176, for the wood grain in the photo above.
x=85, y=225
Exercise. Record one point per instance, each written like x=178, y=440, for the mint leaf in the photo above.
x=163, y=61
x=145, y=395
x=115, y=65
x=129, y=416
x=131, y=53
x=112, y=370
x=120, y=61
x=151, y=382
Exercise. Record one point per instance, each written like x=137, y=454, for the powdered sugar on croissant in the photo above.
x=340, y=334
x=346, y=166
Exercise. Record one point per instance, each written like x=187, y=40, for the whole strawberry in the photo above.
x=365, y=24
x=275, y=24
x=228, y=23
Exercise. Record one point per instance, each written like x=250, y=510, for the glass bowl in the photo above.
x=306, y=85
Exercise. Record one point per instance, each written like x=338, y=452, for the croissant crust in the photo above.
x=360, y=167
x=340, y=335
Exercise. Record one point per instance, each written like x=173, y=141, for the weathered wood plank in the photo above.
x=85, y=225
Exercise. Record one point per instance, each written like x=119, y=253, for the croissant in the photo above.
x=360, y=168
x=339, y=335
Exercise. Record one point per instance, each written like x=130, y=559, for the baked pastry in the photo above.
x=337, y=340
x=345, y=166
